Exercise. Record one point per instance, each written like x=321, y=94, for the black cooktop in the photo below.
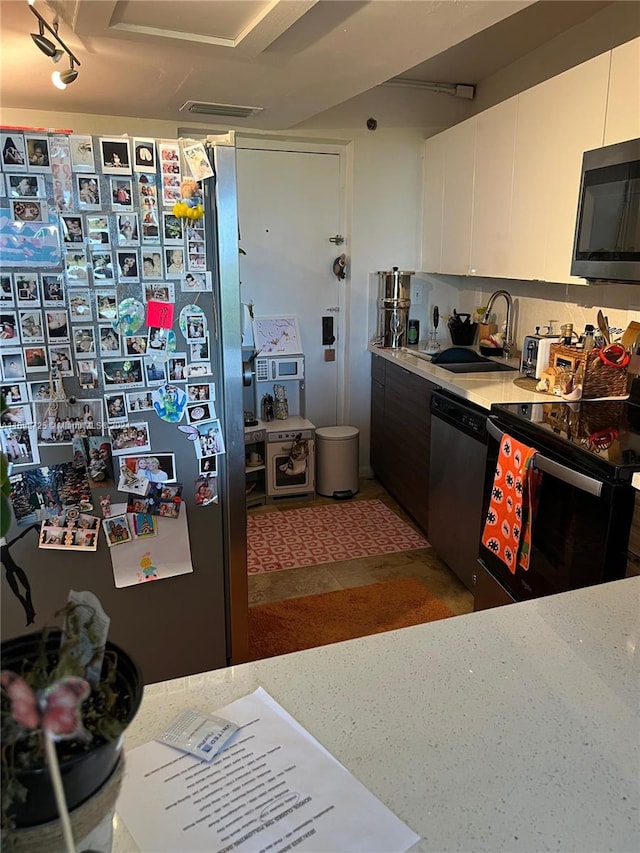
x=599, y=435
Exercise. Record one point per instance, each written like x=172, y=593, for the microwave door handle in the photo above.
x=273, y=370
x=566, y=475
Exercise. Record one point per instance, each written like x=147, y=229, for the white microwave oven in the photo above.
x=279, y=368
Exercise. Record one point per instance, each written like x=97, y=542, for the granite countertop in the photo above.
x=484, y=389
x=513, y=729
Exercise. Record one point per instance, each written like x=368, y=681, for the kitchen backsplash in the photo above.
x=535, y=303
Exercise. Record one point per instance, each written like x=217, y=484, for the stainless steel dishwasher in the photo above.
x=456, y=482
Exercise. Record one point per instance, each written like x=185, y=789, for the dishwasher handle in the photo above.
x=566, y=475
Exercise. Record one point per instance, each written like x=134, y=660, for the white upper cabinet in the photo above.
x=457, y=197
x=501, y=189
x=530, y=191
x=557, y=121
x=493, y=179
x=576, y=105
x=432, y=203
x=623, y=104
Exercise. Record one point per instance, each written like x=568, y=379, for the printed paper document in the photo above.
x=273, y=787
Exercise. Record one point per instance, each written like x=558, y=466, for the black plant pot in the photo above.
x=83, y=773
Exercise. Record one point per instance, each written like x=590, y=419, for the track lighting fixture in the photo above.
x=55, y=50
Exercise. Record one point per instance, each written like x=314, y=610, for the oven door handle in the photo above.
x=555, y=469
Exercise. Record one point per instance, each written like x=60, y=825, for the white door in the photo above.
x=289, y=205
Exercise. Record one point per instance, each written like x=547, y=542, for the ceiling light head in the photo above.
x=44, y=44
x=56, y=79
x=61, y=79
x=69, y=76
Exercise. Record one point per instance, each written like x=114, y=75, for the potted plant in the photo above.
x=67, y=697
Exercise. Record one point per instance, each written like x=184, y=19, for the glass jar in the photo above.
x=281, y=409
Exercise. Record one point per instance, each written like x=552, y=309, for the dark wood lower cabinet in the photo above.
x=401, y=435
x=633, y=554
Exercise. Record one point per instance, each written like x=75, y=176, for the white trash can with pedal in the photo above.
x=337, y=449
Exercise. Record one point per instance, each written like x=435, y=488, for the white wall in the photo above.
x=538, y=303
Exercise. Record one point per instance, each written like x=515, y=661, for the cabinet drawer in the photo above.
x=378, y=368
x=407, y=412
x=409, y=390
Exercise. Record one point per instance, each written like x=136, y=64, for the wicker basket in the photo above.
x=600, y=380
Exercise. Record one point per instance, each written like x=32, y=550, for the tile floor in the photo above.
x=423, y=565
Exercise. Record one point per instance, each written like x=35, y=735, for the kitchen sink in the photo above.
x=477, y=367
x=463, y=360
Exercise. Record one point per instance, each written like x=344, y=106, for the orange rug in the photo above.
x=317, y=620
x=293, y=538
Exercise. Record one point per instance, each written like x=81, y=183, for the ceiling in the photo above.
x=293, y=58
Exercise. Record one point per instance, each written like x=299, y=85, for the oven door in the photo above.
x=580, y=531
x=286, y=476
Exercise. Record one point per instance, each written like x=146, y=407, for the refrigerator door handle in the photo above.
x=566, y=475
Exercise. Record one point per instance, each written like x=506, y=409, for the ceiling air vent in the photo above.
x=204, y=108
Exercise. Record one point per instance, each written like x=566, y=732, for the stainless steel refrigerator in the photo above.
x=195, y=621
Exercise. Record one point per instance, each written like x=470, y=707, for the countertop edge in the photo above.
x=485, y=390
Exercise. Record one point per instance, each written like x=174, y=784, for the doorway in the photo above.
x=290, y=202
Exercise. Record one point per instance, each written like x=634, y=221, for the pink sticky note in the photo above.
x=160, y=314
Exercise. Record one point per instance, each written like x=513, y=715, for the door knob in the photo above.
x=339, y=267
x=338, y=239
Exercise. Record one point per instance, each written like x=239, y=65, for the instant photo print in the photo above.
x=116, y=530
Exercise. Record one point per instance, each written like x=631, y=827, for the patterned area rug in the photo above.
x=326, y=534
x=317, y=620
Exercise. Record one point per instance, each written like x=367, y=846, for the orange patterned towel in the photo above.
x=507, y=529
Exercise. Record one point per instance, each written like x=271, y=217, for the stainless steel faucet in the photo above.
x=508, y=337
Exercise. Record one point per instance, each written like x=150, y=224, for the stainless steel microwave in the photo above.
x=607, y=239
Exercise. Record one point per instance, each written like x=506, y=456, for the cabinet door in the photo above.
x=407, y=417
x=557, y=121
x=575, y=122
x=459, y=145
x=532, y=157
x=623, y=104
x=633, y=554
x=377, y=438
x=432, y=204
x=493, y=180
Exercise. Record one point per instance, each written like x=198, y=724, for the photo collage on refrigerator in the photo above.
x=107, y=335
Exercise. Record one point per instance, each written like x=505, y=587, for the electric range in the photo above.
x=601, y=437
x=587, y=454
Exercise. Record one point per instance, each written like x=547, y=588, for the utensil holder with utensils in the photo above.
x=463, y=334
